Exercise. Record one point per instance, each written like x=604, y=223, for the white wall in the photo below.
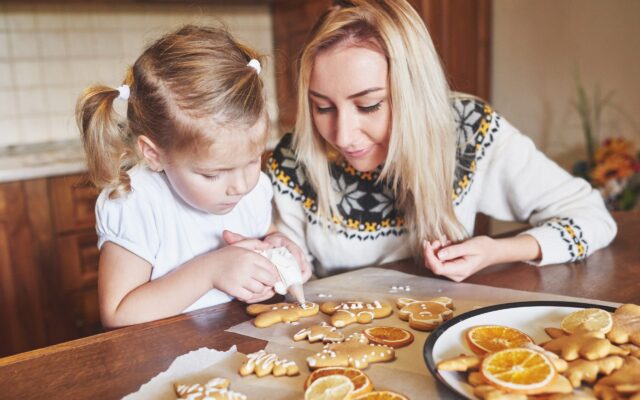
x=537, y=47
x=50, y=52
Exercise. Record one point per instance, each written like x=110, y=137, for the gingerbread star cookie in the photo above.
x=588, y=370
x=425, y=315
x=626, y=325
x=269, y=314
x=262, y=363
x=216, y=388
x=348, y=312
x=355, y=352
x=324, y=332
x=584, y=344
x=625, y=381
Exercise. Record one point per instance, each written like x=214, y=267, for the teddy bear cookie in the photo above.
x=348, y=312
x=269, y=314
x=216, y=388
x=324, y=332
x=354, y=352
x=262, y=363
x=425, y=315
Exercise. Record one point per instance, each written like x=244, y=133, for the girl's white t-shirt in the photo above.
x=154, y=223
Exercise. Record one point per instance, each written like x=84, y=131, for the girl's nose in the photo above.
x=238, y=185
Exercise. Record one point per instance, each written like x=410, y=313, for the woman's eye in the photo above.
x=324, y=110
x=370, y=109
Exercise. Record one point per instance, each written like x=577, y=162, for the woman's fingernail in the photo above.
x=442, y=255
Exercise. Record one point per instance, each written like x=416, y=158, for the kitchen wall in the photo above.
x=537, y=48
x=50, y=52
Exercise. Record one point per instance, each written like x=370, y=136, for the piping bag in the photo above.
x=289, y=271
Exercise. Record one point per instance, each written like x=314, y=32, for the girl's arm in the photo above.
x=128, y=296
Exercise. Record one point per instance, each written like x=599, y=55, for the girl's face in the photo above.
x=215, y=182
x=350, y=103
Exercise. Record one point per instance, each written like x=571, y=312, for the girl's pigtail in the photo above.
x=105, y=138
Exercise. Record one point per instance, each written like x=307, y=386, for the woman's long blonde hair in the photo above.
x=181, y=86
x=421, y=159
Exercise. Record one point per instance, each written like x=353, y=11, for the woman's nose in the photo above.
x=346, y=124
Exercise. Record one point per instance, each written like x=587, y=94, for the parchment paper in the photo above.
x=408, y=374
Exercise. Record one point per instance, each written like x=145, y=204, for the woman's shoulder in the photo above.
x=477, y=126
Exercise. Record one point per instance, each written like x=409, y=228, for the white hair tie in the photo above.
x=255, y=64
x=123, y=92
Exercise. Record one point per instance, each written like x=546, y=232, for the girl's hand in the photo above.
x=245, y=274
x=277, y=239
x=459, y=261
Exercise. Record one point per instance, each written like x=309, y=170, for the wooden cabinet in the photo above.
x=48, y=262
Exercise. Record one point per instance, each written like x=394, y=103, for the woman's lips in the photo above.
x=357, y=153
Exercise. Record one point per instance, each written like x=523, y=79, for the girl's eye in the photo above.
x=212, y=177
x=370, y=109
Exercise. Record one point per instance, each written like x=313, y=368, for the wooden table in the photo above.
x=113, y=364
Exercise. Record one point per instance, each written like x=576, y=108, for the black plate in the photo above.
x=435, y=335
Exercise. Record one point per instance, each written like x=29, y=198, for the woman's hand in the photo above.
x=277, y=239
x=459, y=261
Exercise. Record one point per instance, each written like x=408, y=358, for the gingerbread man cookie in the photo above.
x=355, y=352
x=324, y=332
x=216, y=388
x=269, y=314
x=425, y=315
x=348, y=312
x=626, y=325
x=262, y=363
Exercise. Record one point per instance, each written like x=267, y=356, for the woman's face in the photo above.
x=349, y=99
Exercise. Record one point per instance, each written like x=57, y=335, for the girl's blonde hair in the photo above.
x=182, y=86
x=421, y=159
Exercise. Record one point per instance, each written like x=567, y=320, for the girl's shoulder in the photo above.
x=148, y=191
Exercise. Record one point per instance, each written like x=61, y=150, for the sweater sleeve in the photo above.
x=569, y=218
x=288, y=195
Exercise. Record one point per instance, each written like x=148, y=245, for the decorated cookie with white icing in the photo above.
x=425, y=315
x=355, y=351
x=269, y=314
x=324, y=332
x=216, y=388
x=348, y=312
x=262, y=363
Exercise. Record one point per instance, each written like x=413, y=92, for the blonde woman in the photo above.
x=385, y=162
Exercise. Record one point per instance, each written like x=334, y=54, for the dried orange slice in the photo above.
x=489, y=338
x=389, y=335
x=519, y=370
x=331, y=387
x=382, y=395
x=361, y=382
x=590, y=319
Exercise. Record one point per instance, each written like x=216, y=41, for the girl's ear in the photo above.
x=150, y=153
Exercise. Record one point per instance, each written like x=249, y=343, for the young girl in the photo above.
x=180, y=178
x=394, y=164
